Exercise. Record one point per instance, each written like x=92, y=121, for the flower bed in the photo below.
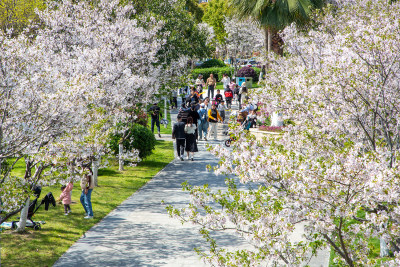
x=270, y=128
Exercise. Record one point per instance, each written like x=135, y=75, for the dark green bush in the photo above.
x=218, y=72
x=139, y=137
x=212, y=63
x=258, y=70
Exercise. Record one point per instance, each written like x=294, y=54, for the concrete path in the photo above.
x=140, y=233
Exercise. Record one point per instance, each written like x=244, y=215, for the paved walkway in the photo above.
x=140, y=233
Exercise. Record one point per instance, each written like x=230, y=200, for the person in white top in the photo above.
x=190, y=130
x=200, y=83
x=225, y=80
x=242, y=94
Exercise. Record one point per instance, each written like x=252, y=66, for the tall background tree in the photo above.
x=275, y=15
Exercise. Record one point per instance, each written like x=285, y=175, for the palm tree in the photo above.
x=275, y=15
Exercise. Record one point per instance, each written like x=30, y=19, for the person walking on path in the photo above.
x=195, y=116
x=213, y=117
x=190, y=131
x=242, y=94
x=221, y=110
x=155, y=118
x=228, y=97
x=200, y=84
x=65, y=197
x=178, y=133
x=87, y=185
x=218, y=97
x=203, y=121
x=225, y=80
x=193, y=96
x=174, y=99
x=211, y=82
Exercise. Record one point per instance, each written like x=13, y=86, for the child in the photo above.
x=221, y=110
x=228, y=97
x=66, y=197
x=218, y=97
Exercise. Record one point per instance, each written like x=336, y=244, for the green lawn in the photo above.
x=44, y=247
x=163, y=130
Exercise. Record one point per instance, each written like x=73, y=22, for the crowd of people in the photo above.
x=197, y=120
x=199, y=116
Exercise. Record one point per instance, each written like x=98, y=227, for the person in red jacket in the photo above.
x=228, y=97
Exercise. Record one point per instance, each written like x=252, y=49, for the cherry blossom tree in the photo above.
x=66, y=87
x=335, y=173
x=243, y=36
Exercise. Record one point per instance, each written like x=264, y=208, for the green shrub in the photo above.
x=212, y=63
x=140, y=138
x=218, y=72
x=258, y=70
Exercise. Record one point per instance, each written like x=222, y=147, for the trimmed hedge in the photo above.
x=213, y=63
x=218, y=72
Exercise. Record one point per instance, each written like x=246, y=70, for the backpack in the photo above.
x=228, y=94
x=203, y=115
x=184, y=112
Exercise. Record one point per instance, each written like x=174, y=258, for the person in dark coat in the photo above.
x=178, y=133
x=184, y=113
x=195, y=116
x=155, y=113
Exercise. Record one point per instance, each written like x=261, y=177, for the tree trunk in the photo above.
x=268, y=43
x=121, y=161
x=269, y=40
x=276, y=43
x=24, y=217
x=95, y=167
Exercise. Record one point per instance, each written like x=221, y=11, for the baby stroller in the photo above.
x=229, y=140
x=34, y=206
x=245, y=124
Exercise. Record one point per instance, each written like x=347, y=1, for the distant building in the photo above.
x=203, y=1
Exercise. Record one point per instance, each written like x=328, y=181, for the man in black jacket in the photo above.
x=178, y=133
x=155, y=117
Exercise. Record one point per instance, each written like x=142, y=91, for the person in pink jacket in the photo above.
x=66, y=197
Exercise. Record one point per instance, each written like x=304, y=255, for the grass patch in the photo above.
x=163, y=130
x=44, y=247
